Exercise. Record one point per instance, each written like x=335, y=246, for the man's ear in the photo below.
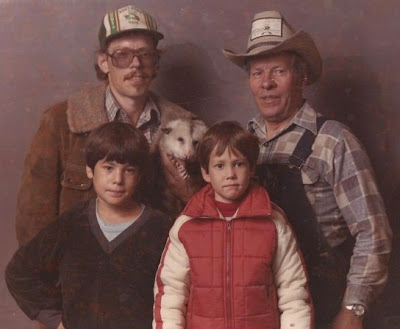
x=102, y=62
x=205, y=175
x=89, y=172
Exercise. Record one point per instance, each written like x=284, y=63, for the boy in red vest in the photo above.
x=231, y=260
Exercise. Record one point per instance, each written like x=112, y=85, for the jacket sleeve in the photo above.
x=38, y=196
x=32, y=277
x=294, y=299
x=172, y=282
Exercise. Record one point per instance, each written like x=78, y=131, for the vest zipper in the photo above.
x=228, y=286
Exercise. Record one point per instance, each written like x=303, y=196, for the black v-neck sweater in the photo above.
x=71, y=267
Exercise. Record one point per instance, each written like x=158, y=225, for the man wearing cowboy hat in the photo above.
x=54, y=176
x=318, y=172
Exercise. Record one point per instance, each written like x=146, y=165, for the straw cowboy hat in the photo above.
x=271, y=34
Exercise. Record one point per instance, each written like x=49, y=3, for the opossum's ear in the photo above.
x=166, y=130
x=199, y=123
x=200, y=127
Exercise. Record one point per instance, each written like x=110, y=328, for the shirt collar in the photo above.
x=113, y=110
x=150, y=113
x=112, y=106
x=305, y=117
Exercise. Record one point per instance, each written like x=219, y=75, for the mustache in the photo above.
x=136, y=74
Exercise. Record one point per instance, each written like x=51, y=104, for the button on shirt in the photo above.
x=149, y=119
x=340, y=186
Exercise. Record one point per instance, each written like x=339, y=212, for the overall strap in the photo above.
x=303, y=147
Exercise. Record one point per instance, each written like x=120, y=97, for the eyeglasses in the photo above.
x=122, y=58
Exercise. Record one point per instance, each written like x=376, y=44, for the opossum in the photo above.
x=179, y=139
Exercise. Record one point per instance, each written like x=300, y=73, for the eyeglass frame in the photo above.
x=154, y=56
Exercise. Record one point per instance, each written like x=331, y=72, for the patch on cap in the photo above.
x=271, y=34
x=127, y=19
x=266, y=27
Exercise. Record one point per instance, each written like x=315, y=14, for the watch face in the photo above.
x=358, y=310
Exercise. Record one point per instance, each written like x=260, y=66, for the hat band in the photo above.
x=260, y=44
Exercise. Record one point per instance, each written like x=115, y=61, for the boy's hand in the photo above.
x=345, y=319
x=180, y=187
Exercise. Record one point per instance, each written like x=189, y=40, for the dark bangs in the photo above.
x=119, y=142
x=228, y=135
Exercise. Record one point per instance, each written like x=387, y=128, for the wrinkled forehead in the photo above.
x=281, y=58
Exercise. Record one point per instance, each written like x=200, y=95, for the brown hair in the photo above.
x=231, y=135
x=120, y=142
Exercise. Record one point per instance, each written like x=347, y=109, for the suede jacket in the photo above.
x=54, y=176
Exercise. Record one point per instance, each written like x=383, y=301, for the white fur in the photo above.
x=180, y=138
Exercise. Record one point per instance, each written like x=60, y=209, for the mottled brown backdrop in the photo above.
x=47, y=52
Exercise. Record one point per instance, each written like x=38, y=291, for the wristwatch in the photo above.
x=357, y=309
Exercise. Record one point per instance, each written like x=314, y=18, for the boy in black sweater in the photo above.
x=94, y=267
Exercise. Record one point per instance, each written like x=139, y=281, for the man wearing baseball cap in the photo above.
x=54, y=176
x=318, y=172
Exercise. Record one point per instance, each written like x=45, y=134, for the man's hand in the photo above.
x=61, y=326
x=39, y=325
x=346, y=319
x=182, y=188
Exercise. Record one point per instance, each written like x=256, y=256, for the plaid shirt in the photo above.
x=340, y=185
x=149, y=119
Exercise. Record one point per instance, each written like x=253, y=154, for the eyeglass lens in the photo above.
x=122, y=58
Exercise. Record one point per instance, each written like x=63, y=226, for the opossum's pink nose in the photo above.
x=188, y=155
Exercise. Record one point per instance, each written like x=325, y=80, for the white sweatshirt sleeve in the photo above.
x=172, y=282
x=294, y=299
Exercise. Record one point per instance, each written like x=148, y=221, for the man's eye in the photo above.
x=122, y=54
x=219, y=166
x=279, y=71
x=144, y=54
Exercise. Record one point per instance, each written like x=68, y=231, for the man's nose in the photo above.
x=135, y=61
x=268, y=82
